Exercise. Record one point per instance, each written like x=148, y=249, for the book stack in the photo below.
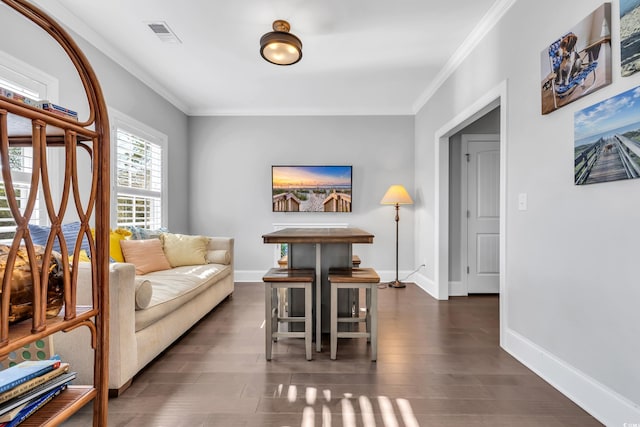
x=28, y=386
x=13, y=95
x=43, y=105
x=58, y=110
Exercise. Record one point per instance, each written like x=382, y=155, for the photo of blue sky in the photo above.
x=610, y=115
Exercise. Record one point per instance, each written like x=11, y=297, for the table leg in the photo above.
x=318, y=297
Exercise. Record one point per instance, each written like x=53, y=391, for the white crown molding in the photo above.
x=72, y=22
x=299, y=112
x=490, y=19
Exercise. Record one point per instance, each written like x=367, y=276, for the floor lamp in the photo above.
x=396, y=195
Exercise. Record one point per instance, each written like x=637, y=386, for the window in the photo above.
x=22, y=78
x=140, y=174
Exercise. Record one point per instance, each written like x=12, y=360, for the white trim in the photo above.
x=355, y=111
x=49, y=83
x=601, y=402
x=458, y=289
x=62, y=14
x=123, y=121
x=488, y=21
x=426, y=284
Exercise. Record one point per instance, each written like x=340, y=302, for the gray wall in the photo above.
x=570, y=300
x=231, y=160
x=122, y=91
x=488, y=124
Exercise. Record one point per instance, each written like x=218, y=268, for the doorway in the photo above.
x=480, y=213
x=474, y=206
x=444, y=269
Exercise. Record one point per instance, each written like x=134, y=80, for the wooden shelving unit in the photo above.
x=23, y=125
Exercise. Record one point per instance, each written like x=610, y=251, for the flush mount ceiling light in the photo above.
x=280, y=47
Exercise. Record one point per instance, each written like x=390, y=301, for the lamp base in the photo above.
x=397, y=284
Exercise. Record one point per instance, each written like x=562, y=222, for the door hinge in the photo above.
x=467, y=269
x=468, y=213
x=468, y=156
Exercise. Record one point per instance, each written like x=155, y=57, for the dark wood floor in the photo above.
x=439, y=364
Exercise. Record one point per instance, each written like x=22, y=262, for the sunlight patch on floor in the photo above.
x=348, y=412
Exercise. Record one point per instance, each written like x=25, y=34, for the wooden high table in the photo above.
x=321, y=249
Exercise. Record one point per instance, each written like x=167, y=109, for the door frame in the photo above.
x=464, y=189
x=490, y=100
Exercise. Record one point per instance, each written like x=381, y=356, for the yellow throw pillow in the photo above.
x=115, y=236
x=83, y=257
x=182, y=249
x=115, y=251
x=146, y=255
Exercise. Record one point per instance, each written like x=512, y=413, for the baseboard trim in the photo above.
x=457, y=289
x=604, y=404
x=428, y=285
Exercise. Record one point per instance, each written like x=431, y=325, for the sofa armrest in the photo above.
x=74, y=346
x=221, y=243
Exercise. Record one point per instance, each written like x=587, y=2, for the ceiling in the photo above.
x=368, y=57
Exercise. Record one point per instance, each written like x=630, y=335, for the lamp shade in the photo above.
x=396, y=195
x=280, y=47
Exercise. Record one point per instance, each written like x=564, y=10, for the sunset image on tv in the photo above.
x=311, y=188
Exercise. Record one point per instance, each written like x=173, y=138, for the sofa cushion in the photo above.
x=146, y=255
x=182, y=249
x=173, y=288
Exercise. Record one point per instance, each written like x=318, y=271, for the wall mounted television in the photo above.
x=311, y=188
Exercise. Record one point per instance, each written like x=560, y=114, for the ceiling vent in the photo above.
x=164, y=33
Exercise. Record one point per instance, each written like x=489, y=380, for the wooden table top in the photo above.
x=319, y=235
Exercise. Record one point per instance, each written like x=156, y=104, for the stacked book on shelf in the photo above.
x=28, y=386
x=43, y=105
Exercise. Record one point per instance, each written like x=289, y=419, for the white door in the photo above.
x=482, y=158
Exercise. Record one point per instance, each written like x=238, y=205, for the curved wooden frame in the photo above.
x=93, y=136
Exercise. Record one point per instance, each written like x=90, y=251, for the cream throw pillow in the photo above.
x=219, y=256
x=182, y=249
x=146, y=255
x=144, y=292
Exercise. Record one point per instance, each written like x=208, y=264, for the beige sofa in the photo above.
x=174, y=300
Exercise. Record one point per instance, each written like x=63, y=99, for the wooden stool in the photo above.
x=355, y=278
x=282, y=262
x=287, y=278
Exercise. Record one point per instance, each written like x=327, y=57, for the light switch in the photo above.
x=522, y=201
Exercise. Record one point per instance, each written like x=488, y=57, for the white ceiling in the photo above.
x=359, y=56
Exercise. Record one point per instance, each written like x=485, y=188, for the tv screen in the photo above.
x=311, y=188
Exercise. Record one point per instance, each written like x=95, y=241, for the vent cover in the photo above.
x=164, y=33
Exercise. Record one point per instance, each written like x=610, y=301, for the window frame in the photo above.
x=128, y=124
x=26, y=76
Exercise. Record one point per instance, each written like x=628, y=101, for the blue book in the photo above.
x=24, y=371
x=37, y=392
x=35, y=404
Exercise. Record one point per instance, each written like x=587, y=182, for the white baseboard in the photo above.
x=457, y=289
x=428, y=285
x=601, y=402
x=249, y=275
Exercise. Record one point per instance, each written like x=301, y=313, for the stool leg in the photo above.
x=268, y=320
x=374, y=321
x=334, y=322
x=368, y=312
x=318, y=284
x=275, y=311
x=308, y=324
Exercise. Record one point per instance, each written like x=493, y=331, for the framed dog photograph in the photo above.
x=607, y=140
x=629, y=36
x=577, y=62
